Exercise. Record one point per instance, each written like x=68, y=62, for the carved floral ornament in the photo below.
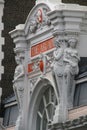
x=39, y=20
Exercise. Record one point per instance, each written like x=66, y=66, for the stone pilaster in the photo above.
x=19, y=39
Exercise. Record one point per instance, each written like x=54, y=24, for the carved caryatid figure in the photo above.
x=18, y=86
x=57, y=65
x=65, y=67
x=18, y=81
x=71, y=60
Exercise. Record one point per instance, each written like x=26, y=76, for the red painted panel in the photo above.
x=41, y=65
x=30, y=67
x=42, y=47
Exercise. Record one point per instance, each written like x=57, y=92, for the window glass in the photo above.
x=46, y=109
x=10, y=115
x=6, y=116
x=13, y=115
x=81, y=95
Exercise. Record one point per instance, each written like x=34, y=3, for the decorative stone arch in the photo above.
x=39, y=90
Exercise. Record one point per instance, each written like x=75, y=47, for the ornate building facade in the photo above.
x=48, y=79
x=48, y=48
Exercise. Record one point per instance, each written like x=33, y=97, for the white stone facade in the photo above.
x=45, y=23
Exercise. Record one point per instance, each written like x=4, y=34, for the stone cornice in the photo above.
x=69, y=125
x=65, y=20
x=70, y=7
x=19, y=38
x=18, y=31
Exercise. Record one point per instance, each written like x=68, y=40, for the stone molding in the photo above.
x=77, y=112
x=66, y=22
x=80, y=122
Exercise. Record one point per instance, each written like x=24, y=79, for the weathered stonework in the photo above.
x=34, y=41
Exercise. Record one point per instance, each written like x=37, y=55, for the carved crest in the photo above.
x=39, y=19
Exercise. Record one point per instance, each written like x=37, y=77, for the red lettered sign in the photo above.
x=42, y=47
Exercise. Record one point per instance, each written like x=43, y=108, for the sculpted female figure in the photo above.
x=18, y=81
x=57, y=65
x=18, y=86
x=71, y=60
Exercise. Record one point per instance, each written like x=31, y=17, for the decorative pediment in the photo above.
x=37, y=19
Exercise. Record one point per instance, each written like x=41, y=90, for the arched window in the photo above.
x=42, y=105
x=46, y=109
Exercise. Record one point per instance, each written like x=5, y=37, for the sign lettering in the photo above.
x=42, y=47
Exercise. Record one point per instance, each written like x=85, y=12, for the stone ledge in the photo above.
x=77, y=119
x=76, y=113
x=80, y=122
x=10, y=128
